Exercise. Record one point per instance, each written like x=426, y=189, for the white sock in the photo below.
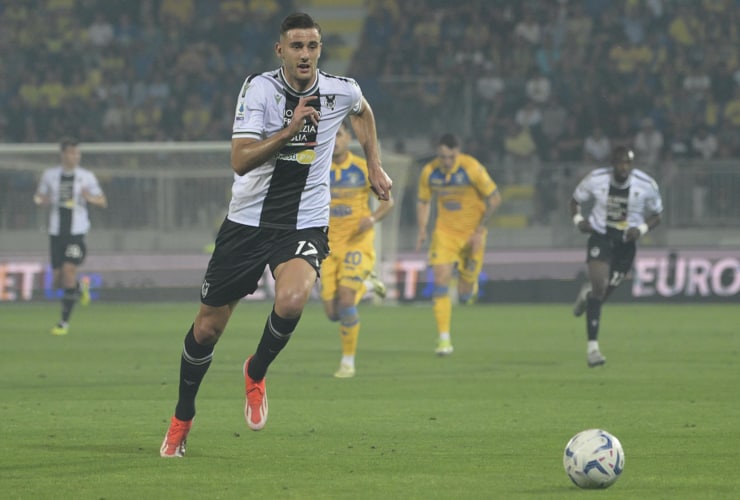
x=593, y=345
x=348, y=360
x=444, y=336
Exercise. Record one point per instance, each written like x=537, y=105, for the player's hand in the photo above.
x=380, y=182
x=302, y=112
x=476, y=241
x=631, y=234
x=421, y=239
x=41, y=199
x=585, y=227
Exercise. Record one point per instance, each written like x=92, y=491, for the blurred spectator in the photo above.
x=538, y=87
x=596, y=146
x=704, y=144
x=528, y=29
x=648, y=143
x=568, y=146
x=520, y=154
x=100, y=32
x=554, y=116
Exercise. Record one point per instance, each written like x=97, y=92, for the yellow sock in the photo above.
x=442, y=307
x=349, y=335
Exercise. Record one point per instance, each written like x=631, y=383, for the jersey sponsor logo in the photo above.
x=305, y=157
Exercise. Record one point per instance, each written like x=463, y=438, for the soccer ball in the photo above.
x=593, y=459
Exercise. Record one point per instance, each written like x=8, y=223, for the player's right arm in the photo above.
x=422, y=219
x=423, y=205
x=248, y=153
x=581, y=194
x=579, y=220
x=41, y=196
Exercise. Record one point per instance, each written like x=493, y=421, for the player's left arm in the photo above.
x=493, y=201
x=93, y=194
x=654, y=207
x=363, y=124
x=384, y=206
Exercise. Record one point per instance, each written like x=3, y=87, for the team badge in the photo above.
x=331, y=101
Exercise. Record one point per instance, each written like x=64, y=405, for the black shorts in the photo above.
x=610, y=248
x=242, y=252
x=70, y=248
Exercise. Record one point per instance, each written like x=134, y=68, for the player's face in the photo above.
x=71, y=156
x=622, y=169
x=447, y=156
x=341, y=145
x=300, y=49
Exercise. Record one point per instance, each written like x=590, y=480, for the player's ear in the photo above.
x=278, y=50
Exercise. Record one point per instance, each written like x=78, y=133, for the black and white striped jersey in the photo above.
x=619, y=207
x=68, y=208
x=291, y=190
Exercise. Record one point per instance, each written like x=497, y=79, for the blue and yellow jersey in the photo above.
x=350, y=199
x=460, y=193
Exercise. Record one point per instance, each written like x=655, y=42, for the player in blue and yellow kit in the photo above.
x=351, y=239
x=466, y=198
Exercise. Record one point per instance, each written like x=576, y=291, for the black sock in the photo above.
x=274, y=337
x=68, y=302
x=196, y=359
x=593, y=317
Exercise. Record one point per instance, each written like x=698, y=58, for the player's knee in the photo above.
x=207, y=332
x=289, y=303
x=349, y=316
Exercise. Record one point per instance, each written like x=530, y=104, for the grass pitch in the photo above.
x=83, y=416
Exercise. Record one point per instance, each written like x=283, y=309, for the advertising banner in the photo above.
x=658, y=275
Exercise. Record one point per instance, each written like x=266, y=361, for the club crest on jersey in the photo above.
x=331, y=101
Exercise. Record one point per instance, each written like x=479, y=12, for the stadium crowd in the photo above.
x=559, y=80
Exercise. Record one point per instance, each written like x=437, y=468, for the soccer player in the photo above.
x=626, y=205
x=466, y=198
x=352, y=258
x=285, y=125
x=67, y=189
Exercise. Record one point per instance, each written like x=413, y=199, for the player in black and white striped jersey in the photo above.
x=285, y=125
x=67, y=189
x=626, y=205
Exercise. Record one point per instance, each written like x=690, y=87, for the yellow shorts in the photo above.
x=347, y=266
x=448, y=248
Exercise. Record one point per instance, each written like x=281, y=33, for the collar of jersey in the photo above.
x=293, y=91
x=623, y=185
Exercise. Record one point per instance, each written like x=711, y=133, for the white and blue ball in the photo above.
x=593, y=458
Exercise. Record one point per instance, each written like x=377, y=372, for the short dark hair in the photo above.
x=298, y=20
x=67, y=142
x=449, y=140
x=622, y=153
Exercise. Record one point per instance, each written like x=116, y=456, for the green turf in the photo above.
x=83, y=416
